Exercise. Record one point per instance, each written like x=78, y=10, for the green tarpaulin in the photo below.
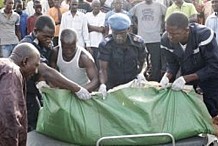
x=125, y=111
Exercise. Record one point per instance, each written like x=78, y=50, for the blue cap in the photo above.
x=119, y=21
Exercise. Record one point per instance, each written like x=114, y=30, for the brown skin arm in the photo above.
x=193, y=18
x=54, y=57
x=95, y=28
x=191, y=77
x=106, y=31
x=92, y=72
x=187, y=78
x=103, y=71
x=55, y=78
x=17, y=32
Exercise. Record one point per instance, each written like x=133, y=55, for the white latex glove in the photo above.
x=178, y=84
x=103, y=90
x=164, y=81
x=141, y=81
x=40, y=85
x=83, y=94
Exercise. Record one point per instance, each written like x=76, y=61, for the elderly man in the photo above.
x=192, y=49
x=121, y=54
x=22, y=63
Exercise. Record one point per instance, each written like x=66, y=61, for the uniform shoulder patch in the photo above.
x=108, y=38
x=138, y=38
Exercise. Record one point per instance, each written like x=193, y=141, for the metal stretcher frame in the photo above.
x=136, y=136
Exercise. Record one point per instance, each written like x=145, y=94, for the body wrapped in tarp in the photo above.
x=125, y=111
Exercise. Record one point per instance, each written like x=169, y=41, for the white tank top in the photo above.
x=71, y=69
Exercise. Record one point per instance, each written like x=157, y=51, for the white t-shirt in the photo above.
x=78, y=23
x=98, y=20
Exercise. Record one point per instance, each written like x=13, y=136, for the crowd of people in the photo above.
x=86, y=46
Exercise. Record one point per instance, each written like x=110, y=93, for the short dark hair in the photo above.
x=43, y=21
x=177, y=19
x=68, y=34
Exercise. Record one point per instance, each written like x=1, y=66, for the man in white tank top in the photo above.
x=74, y=62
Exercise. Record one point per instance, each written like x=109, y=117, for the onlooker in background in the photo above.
x=23, y=18
x=65, y=4
x=121, y=55
x=192, y=49
x=9, y=28
x=76, y=20
x=1, y=4
x=32, y=19
x=84, y=6
x=208, y=10
x=41, y=38
x=46, y=4
x=29, y=8
x=181, y=6
x=56, y=13
x=74, y=62
x=150, y=16
x=166, y=3
x=104, y=7
x=96, y=27
x=212, y=20
x=199, y=6
x=127, y=5
x=14, y=71
x=117, y=8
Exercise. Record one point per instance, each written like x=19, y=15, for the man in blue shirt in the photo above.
x=192, y=49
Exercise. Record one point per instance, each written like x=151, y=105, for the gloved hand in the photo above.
x=178, y=84
x=141, y=81
x=40, y=85
x=83, y=94
x=164, y=81
x=103, y=90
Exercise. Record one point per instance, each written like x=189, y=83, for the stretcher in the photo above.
x=36, y=139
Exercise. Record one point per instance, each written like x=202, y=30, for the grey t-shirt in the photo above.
x=7, y=28
x=150, y=17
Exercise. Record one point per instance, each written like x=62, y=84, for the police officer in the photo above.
x=194, y=50
x=121, y=54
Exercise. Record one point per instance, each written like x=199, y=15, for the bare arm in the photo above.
x=95, y=28
x=54, y=57
x=103, y=71
x=193, y=18
x=191, y=77
x=17, y=31
x=55, y=78
x=91, y=70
